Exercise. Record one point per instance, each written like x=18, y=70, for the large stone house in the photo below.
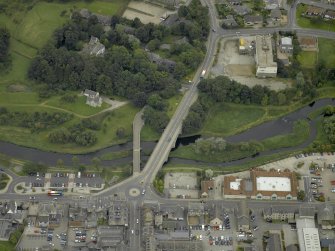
x=93, y=98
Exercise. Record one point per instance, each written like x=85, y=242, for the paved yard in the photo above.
x=146, y=12
x=241, y=68
x=181, y=185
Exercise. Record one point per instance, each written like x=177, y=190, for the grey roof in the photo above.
x=165, y=63
x=280, y=209
x=90, y=92
x=275, y=14
x=175, y=235
x=230, y=21
x=104, y=20
x=292, y=247
x=274, y=243
x=325, y=213
x=253, y=19
x=248, y=185
x=241, y=10
x=170, y=20
x=165, y=46
x=326, y=242
x=182, y=40
x=234, y=2
x=85, y=13
x=307, y=212
x=93, y=99
x=199, y=207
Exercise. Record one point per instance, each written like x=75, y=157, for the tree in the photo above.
x=34, y=168
x=4, y=46
x=301, y=195
x=75, y=161
x=156, y=119
x=96, y=162
x=209, y=173
x=120, y=132
x=60, y=163
x=156, y=102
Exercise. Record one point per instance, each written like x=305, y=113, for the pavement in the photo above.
x=137, y=127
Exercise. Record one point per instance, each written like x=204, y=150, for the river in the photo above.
x=268, y=129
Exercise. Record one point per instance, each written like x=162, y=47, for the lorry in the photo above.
x=203, y=74
x=55, y=193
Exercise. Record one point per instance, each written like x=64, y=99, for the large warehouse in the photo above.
x=266, y=67
x=270, y=185
x=274, y=185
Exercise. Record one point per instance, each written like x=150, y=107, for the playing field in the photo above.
x=32, y=29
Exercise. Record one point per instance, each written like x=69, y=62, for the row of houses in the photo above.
x=314, y=11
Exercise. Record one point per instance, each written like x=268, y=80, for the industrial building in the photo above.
x=266, y=67
x=271, y=185
x=308, y=235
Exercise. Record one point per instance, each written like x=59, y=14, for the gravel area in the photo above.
x=241, y=67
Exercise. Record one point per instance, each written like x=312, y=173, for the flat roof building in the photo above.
x=274, y=184
x=308, y=235
x=266, y=67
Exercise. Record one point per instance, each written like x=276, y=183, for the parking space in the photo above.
x=327, y=185
x=181, y=185
x=92, y=180
x=79, y=237
x=214, y=239
x=59, y=182
x=35, y=181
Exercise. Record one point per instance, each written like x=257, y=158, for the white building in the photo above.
x=266, y=67
x=308, y=235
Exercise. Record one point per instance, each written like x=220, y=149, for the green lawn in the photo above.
x=305, y=22
x=36, y=26
x=299, y=135
x=6, y=246
x=115, y=155
x=326, y=51
x=32, y=29
x=122, y=117
x=232, y=153
x=173, y=104
x=149, y=134
x=228, y=119
x=79, y=106
x=308, y=59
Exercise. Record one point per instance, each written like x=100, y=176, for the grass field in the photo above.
x=6, y=246
x=227, y=119
x=307, y=59
x=115, y=155
x=78, y=107
x=326, y=49
x=32, y=29
x=233, y=153
x=305, y=22
x=122, y=117
x=299, y=135
x=230, y=169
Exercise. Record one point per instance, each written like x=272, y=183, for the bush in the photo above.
x=69, y=98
